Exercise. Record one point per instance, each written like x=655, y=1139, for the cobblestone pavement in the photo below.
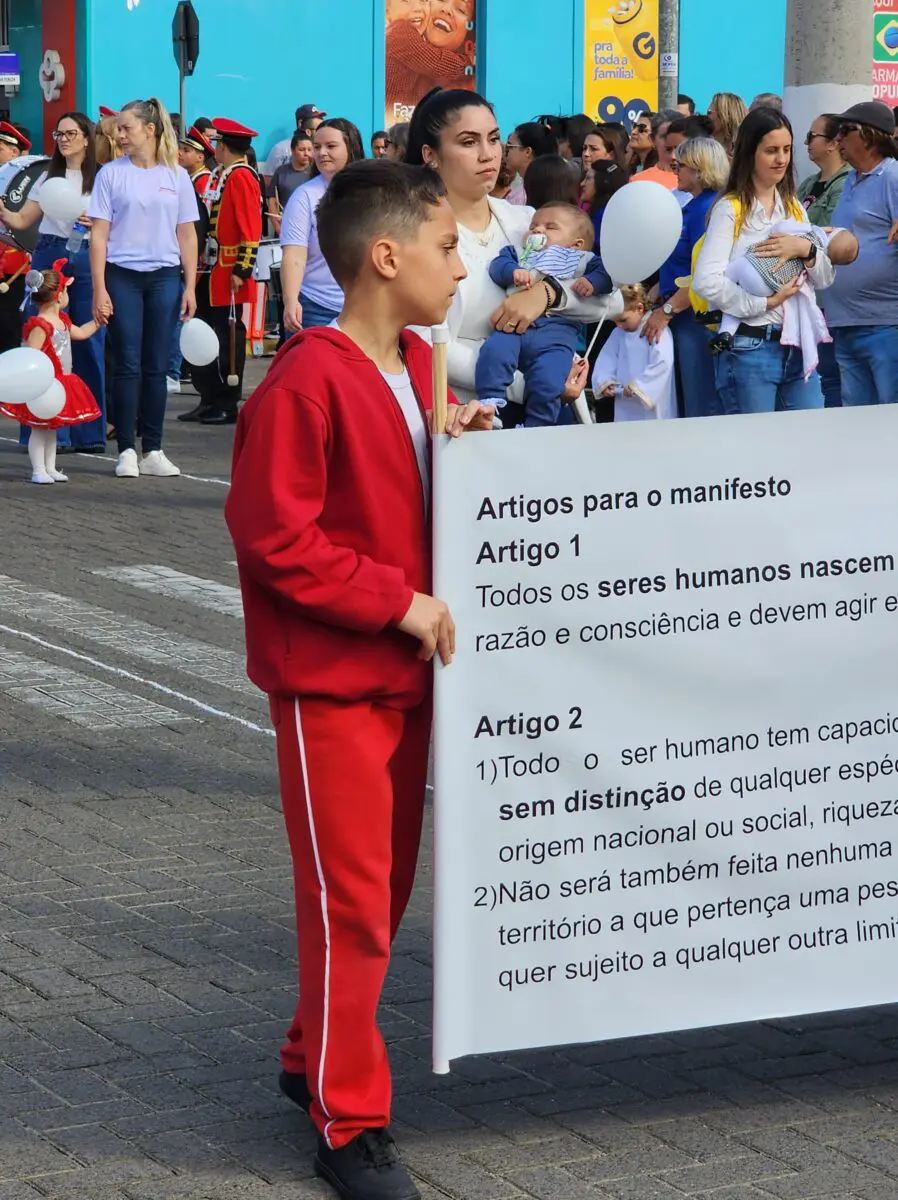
x=146, y=934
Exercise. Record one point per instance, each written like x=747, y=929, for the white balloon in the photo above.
x=61, y=201
x=24, y=375
x=199, y=343
x=50, y=404
x=641, y=226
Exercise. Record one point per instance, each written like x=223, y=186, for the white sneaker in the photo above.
x=126, y=467
x=172, y=386
x=155, y=463
x=41, y=477
x=58, y=477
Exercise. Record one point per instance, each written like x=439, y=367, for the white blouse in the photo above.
x=721, y=246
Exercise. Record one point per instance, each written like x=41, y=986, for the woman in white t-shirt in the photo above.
x=144, y=212
x=455, y=133
x=74, y=159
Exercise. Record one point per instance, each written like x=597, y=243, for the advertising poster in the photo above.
x=429, y=43
x=621, y=69
x=885, y=51
x=667, y=746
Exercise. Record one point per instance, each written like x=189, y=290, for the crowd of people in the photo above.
x=731, y=171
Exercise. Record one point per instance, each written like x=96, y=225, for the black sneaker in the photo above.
x=296, y=1088
x=368, y=1168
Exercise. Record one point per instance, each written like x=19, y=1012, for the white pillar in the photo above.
x=829, y=62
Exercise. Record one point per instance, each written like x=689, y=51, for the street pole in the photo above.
x=181, y=106
x=829, y=62
x=668, y=54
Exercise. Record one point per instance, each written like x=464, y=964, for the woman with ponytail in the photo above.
x=455, y=133
x=143, y=238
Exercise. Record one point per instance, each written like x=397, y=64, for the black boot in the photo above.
x=368, y=1168
x=197, y=414
x=225, y=416
x=296, y=1088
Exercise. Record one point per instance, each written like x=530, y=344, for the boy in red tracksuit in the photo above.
x=329, y=513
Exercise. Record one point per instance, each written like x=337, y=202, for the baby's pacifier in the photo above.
x=534, y=243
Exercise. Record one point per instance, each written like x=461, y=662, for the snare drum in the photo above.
x=267, y=260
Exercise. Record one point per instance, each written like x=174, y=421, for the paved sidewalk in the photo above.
x=147, y=966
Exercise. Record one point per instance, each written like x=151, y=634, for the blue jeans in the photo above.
x=696, y=384
x=314, y=314
x=145, y=305
x=88, y=358
x=830, y=377
x=868, y=362
x=758, y=376
x=175, y=357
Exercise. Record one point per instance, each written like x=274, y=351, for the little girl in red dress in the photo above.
x=52, y=332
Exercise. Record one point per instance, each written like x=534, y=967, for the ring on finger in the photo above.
x=511, y=325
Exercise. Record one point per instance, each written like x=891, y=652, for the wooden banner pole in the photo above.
x=440, y=338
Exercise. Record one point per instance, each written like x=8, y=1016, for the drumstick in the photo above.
x=440, y=338
x=6, y=285
x=233, y=378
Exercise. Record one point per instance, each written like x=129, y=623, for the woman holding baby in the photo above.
x=757, y=373
x=455, y=133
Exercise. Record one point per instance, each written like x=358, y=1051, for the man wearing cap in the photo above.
x=862, y=304
x=233, y=200
x=14, y=261
x=308, y=118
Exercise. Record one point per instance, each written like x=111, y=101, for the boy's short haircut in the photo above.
x=374, y=198
x=582, y=221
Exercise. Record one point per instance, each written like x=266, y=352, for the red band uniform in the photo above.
x=330, y=551
x=14, y=262
x=233, y=200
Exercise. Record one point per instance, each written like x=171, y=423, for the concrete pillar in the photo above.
x=668, y=53
x=829, y=62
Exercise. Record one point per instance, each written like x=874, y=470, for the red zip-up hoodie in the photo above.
x=329, y=521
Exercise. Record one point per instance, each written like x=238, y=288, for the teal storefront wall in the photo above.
x=258, y=61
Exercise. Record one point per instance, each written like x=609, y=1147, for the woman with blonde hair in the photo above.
x=106, y=140
x=701, y=167
x=143, y=210
x=726, y=112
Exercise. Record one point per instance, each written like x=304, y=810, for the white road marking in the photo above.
x=163, y=581
x=127, y=635
x=112, y=459
x=78, y=698
x=123, y=674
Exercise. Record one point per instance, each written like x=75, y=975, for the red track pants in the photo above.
x=353, y=778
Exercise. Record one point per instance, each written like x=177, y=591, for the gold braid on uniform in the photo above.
x=244, y=254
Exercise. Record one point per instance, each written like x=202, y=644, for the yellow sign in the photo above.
x=621, y=68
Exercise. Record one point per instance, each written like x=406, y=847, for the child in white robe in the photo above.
x=636, y=372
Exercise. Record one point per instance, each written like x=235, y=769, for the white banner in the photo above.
x=667, y=751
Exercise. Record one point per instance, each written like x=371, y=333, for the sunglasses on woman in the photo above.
x=642, y=129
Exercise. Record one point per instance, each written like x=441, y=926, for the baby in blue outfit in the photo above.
x=558, y=249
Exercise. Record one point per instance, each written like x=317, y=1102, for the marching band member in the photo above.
x=14, y=262
x=232, y=198
x=194, y=152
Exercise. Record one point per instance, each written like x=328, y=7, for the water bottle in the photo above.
x=76, y=238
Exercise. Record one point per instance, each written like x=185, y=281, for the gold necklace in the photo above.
x=484, y=239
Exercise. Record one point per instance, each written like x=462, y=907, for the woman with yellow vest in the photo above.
x=756, y=373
